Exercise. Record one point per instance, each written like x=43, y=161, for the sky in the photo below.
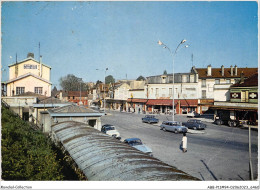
x=80, y=37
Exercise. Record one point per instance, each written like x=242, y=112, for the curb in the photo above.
x=195, y=131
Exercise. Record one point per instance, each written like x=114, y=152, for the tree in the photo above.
x=72, y=83
x=109, y=79
x=140, y=78
x=98, y=82
x=54, y=91
x=165, y=72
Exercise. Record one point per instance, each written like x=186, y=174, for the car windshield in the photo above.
x=110, y=128
x=135, y=142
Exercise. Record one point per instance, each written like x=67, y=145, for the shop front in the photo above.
x=135, y=105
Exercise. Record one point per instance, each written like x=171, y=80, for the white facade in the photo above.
x=181, y=91
x=121, y=92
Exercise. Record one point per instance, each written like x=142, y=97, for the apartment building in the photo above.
x=214, y=83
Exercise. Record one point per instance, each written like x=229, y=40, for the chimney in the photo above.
x=222, y=70
x=30, y=55
x=231, y=70
x=209, y=70
x=242, y=77
x=235, y=70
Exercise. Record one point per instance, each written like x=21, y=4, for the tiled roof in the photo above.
x=216, y=72
x=51, y=100
x=77, y=93
x=251, y=81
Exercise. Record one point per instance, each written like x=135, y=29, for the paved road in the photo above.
x=221, y=153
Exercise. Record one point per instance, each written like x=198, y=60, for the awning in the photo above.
x=168, y=102
x=135, y=100
x=160, y=102
x=189, y=103
x=115, y=101
x=234, y=108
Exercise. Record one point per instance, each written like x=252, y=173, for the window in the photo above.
x=217, y=81
x=228, y=81
x=170, y=91
x=163, y=92
x=204, y=94
x=203, y=84
x=19, y=90
x=38, y=90
x=157, y=91
x=185, y=78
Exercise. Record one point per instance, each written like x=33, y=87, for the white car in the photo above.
x=193, y=114
x=111, y=131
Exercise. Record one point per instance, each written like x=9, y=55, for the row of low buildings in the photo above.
x=231, y=92
x=199, y=90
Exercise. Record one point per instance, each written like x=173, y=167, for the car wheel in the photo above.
x=149, y=122
x=194, y=128
x=175, y=131
x=218, y=122
x=164, y=129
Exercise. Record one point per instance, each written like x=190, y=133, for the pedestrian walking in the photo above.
x=184, y=142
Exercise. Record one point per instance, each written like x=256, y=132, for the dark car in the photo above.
x=194, y=124
x=137, y=143
x=150, y=119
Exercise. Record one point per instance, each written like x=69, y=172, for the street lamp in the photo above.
x=104, y=90
x=173, y=55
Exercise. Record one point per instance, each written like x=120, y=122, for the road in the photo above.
x=221, y=153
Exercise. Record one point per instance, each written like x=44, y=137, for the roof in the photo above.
x=51, y=100
x=77, y=93
x=216, y=72
x=27, y=75
x=103, y=158
x=73, y=111
x=249, y=82
x=27, y=59
x=32, y=94
x=170, y=74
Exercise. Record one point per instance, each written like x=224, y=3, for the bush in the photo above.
x=26, y=154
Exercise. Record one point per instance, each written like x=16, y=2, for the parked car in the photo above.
x=150, y=119
x=110, y=130
x=194, y=124
x=137, y=143
x=193, y=114
x=173, y=126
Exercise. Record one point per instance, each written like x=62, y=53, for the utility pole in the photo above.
x=250, y=158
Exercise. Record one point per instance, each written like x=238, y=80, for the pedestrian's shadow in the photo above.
x=181, y=147
x=209, y=170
